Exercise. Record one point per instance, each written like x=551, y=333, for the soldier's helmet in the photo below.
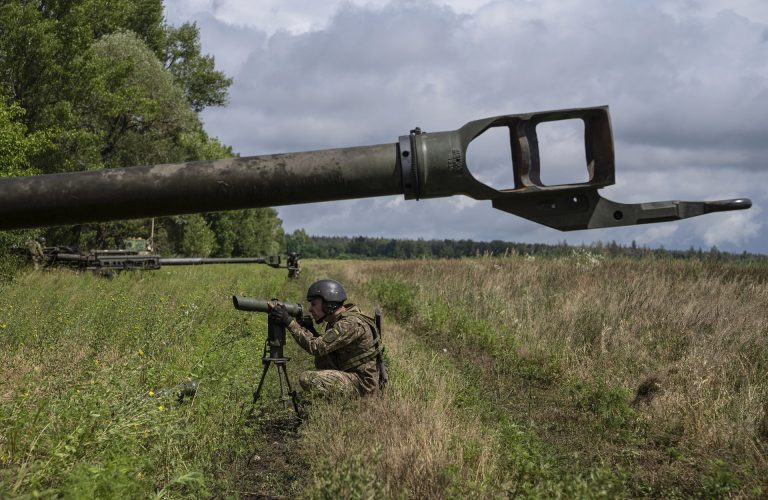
x=329, y=290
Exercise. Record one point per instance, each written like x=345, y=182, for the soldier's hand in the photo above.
x=280, y=315
x=307, y=323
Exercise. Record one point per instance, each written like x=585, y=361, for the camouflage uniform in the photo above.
x=294, y=267
x=36, y=253
x=345, y=355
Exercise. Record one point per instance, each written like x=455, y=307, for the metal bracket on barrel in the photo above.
x=409, y=165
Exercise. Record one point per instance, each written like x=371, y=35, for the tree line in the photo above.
x=93, y=84
x=339, y=247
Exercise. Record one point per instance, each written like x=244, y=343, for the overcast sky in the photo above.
x=686, y=82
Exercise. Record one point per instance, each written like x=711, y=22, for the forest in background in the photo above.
x=356, y=247
x=98, y=84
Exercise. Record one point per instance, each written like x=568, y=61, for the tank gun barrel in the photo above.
x=419, y=165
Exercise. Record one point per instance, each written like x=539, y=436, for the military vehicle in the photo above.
x=419, y=165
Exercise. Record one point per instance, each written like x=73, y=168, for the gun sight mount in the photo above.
x=419, y=165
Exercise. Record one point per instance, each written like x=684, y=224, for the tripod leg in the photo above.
x=257, y=392
x=280, y=374
x=291, y=392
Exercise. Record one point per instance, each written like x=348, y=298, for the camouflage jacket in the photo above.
x=348, y=345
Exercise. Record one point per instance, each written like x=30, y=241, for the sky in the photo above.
x=686, y=82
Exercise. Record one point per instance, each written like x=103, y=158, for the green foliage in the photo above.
x=194, y=71
x=101, y=84
x=720, y=481
x=354, y=478
x=475, y=409
x=368, y=247
x=191, y=235
x=246, y=233
x=46, y=47
x=48, y=68
x=102, y=235
x=17, y=146
x=396, y=297
x=82, y=363
x=135, y=104
x=298, y=242
x=608, y=406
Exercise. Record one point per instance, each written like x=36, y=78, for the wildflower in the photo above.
x=152, y=394
x=161, y=408
x=141, y=352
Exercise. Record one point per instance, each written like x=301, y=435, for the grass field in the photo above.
x=511, y=376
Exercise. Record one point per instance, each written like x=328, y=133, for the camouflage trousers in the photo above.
x=330, y=382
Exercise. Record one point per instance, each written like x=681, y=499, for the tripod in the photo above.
x=274, y=343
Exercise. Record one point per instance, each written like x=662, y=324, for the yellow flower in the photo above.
x=152, y=394
x=161, y=408
x=141, y=352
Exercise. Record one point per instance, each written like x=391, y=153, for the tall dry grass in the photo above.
x=656, y=367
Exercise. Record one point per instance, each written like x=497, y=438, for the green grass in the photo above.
x=509, y=377
x=83, y=357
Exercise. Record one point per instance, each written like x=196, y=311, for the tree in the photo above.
x=189, y=236
x=17, y=146
x=106, y=83
x=136, y=107
x=298, y=241
x=246, y=233
x=194, y=71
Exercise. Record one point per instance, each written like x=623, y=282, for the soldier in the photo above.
x=294, y=267
x=36, y=254
x=346, y=354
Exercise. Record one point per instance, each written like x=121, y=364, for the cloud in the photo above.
x=733, y=228
x=687, y=83
x=657, y=234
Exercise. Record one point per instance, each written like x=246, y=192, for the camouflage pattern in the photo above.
x=330, y=382
x=346, y=338
x=36, y=253
x=294, y=266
